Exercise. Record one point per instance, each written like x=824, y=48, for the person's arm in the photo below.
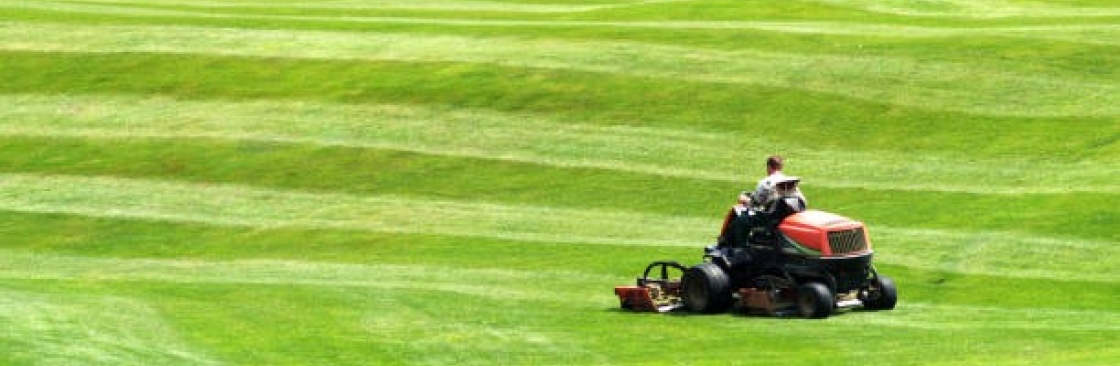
x=760, y=194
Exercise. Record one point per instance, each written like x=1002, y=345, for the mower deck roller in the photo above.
x=809, y=263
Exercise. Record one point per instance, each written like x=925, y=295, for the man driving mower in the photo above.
x=758, y=209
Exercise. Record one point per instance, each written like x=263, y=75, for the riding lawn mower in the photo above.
x=781, y=260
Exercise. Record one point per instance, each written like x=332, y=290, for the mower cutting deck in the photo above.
x=660, y=294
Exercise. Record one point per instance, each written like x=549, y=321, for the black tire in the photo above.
x=815, y=300
x=881, y=295
x=705, y=288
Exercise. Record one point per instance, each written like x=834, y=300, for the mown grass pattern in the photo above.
x=908, y=82
x=197, y=182
x=485, y=134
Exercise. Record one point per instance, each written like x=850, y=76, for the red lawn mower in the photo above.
x=780, y=260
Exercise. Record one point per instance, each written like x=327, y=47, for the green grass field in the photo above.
x=463, y=182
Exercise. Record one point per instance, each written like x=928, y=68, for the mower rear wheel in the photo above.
x=815, y=300
x=705, y=288
x=882, y=295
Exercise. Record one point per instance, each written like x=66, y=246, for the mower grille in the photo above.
x=847, y=241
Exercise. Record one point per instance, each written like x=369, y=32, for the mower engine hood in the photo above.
x=825, y=234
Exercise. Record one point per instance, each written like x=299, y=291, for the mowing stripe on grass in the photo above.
x=439, y=5
x=231, y=205
x=571, y=287
x=1104, y=34
x=504, y=136
x=947, y=317
x=997, y=253
x=53, y=329
x=495, y=284
x=931, y=85
x=974, y=9
x=422, y=331
x=939, y=8
x=994, y=253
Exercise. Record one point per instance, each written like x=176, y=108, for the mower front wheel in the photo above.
x=706, y=288
x=815, y=300
x=882, y=294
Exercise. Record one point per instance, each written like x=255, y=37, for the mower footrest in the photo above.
x=849, y=303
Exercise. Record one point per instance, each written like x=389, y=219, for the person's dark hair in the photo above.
x=774, y=162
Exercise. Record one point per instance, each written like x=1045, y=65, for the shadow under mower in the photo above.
x=804, y=262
